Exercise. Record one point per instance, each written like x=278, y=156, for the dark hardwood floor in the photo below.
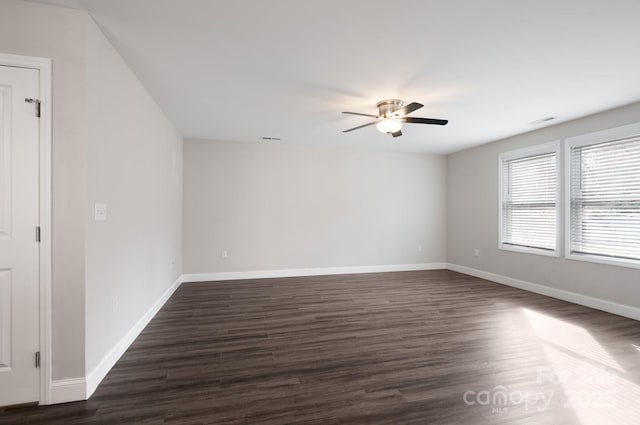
x=432, y=347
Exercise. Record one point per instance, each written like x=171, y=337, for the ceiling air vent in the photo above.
x=543, y=120
x=269, y=138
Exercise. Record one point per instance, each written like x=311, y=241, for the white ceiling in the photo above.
x=241, y=69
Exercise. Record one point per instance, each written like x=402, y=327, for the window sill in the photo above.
x=527, y=250
x=619, y=262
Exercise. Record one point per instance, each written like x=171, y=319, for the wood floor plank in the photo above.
x=428, y=347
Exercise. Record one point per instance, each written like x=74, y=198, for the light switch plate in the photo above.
x=100, y=212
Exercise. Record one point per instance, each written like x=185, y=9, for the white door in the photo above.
x=19, y=281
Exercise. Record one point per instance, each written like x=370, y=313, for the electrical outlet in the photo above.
x=100, y=212
x=476, y=252
x=224, y=253
x=420, y=248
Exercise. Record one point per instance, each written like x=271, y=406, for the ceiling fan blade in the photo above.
x=397, y=133
x=360, y=126
x=358, y=113
x=405, y=110
x=413, y=120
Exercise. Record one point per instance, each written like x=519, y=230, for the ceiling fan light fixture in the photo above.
x=392, y=113
x=389, y=125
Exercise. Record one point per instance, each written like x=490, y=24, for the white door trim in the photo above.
x=44, y=66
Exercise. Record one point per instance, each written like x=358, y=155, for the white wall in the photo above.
x=281, y=206
x=134, y=165
x=472, y=189
x=51, y=32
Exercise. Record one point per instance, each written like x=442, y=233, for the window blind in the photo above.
x=529, y=215
x=605, y=199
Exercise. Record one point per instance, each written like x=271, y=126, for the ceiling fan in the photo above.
x=392, y=114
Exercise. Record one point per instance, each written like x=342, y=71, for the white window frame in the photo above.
x=586, y=140
x=541, y=149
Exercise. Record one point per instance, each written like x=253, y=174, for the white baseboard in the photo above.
x=261, y=274
x=561, y=294
x=100, y=371
x=67, y=390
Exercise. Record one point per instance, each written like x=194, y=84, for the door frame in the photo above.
x=44, y=179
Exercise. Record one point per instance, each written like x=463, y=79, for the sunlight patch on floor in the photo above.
x=570, y=337
x=597, y=395
x=594, y=385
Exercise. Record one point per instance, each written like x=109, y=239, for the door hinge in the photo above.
x=37, y=359
x=37, y=103
x=38, y=234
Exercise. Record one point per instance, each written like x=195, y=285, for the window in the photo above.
x=604, y=188
x=529, y=200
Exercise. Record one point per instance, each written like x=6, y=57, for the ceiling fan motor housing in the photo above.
x=388, y=107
